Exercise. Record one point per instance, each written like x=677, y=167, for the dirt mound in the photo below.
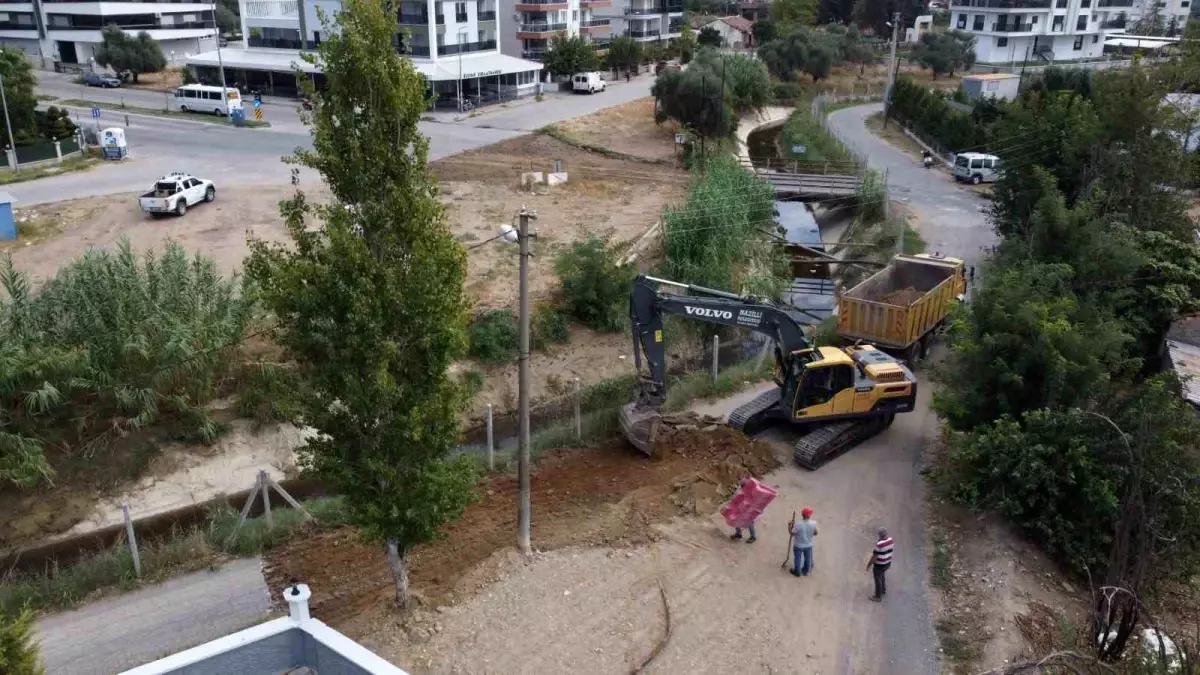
x=904, y=297
x=608, y=495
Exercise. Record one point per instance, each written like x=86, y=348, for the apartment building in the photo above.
x=69, y=32
x=1009, y=31
x=536, y=22
x=454, y=44
x=1170, y=15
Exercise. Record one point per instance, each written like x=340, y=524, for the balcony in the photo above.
x=642, y=11
x=1114, y=3
x=1114, y=23
x=413, y=19
x=588, y=4
x=595, y=25
x=540, y=5
x=643, y=33
x=601, y=43
x=1003, y=4
x=1013, y=27
x=419, y=51
x=485, y=16
x=535, y=54
x=272, y=43
x=536, y=29
x=272, y=9
x=466, y=48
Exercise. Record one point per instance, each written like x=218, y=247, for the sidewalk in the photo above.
x=550, y=95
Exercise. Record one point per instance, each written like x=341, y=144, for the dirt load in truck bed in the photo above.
x=606, y=495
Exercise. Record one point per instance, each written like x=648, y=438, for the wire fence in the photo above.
x=577, y=415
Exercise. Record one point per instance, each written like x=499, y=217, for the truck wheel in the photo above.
x=217, y=112
x=924, y=347
x=976, y=179
x=183, y=108
x=181, y=207
x=210, y=194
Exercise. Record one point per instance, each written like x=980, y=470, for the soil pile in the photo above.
x=608, y=495
x=903, y=297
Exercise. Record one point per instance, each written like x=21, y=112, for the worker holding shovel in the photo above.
x=803, y=532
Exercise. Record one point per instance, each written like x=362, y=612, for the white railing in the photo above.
x=272, y=9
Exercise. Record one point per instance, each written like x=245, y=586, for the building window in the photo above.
x=1081, y=23
x=1095, y=39
x=962, y=21
x=574, y=15
x=1185, y=3
x=978, y=22
x=1078, y=43
x=1058, y=23
x=460, y=12
x=1034, y=21
x=1001, y=42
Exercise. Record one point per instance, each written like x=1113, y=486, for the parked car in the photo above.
x=589, y=82
x=101, y=80
x=175, y=192
x=976, y=167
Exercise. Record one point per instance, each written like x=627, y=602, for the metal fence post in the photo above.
x=491, y=457
x=266, y=495
x=131, y=538
x=578, y=418
x=716, y=354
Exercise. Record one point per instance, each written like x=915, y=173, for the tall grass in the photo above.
x=162, y=557
x=113, y=342
x=802, y=128
x=716, y=238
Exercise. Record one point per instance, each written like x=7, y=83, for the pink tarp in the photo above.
x=747, y=503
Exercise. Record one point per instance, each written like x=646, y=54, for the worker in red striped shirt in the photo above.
x=880, y=561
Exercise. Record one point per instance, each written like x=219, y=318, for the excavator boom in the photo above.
x=647, y=305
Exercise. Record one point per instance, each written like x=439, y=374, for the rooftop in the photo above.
x=486, y=64
x=293, y=645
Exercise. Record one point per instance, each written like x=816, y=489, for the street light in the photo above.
x=461, y=36
x=522, y=236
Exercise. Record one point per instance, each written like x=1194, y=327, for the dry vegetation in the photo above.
x=628, y=129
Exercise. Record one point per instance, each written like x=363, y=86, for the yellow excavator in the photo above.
x=838, y=396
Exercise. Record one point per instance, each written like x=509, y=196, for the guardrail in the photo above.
x=801, y=166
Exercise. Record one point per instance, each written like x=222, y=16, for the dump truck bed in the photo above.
x=901, y=303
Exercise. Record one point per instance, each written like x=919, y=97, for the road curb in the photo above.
x=118, y=111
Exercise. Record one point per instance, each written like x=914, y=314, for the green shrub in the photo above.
x=550, y=326
x=266, y=393
x=802, y=128
x=112, y=336
x=473, y=381
x=595, y=289
x=786, y=92
x=18, y=646
x=493, y=336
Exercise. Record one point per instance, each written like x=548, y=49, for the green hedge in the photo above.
x=921, y=109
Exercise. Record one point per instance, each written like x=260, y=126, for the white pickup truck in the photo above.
x=175, y=192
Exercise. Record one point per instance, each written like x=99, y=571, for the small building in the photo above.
x=1182, y=354
x=736, y=32
x=921, y=25
x=296, y=643
x=1003, y=86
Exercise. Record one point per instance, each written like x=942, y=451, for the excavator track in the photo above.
x=830, y=440
x=750, y=415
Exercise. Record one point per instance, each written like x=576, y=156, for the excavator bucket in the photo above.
x=640, y=425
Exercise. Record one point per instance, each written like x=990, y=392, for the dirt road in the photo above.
x=598, y=610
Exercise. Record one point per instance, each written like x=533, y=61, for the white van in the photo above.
x=204, y=98
x=589, y=82
x=976, y=167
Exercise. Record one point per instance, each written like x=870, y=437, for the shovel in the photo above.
x=788, y=557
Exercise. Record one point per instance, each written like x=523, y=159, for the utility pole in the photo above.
x=8, y=125
x=221, y=61
x=891, y=79
x=461, y=34
x=523, y=516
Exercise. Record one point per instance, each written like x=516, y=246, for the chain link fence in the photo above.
x=587, y=413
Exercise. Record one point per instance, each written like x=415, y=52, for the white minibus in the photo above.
x=204, y=98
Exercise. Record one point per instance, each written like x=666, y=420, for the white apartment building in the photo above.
x=537, y=22
x=454, y=44
x=1171, y=13
x=1009, y=31
x=68, y=32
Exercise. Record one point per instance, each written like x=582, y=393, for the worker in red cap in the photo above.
x=803, y=533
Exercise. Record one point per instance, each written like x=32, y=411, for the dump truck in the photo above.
x=899, y=308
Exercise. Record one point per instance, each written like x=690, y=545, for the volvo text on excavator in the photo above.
x=838, y=396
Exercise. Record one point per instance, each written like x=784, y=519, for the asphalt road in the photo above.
x=235, y=156
x=950, y=218
x=127, y=630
